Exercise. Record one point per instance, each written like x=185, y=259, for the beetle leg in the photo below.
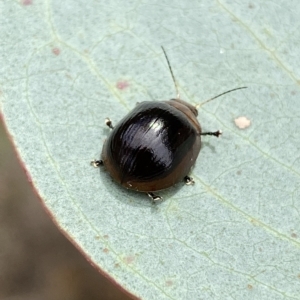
x=109, y=123
x=188, y=180
x=96, y=163
x=154, y=197
x=216, y=133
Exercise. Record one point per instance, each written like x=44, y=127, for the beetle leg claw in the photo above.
x=109, y=123
x=96, y=163
x=216, y=133
x=154, y=197
x=188, y=180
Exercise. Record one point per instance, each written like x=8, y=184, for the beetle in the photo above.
x=155, y=145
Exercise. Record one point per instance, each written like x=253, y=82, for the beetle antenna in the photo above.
x=173, y=77
x=200, y=104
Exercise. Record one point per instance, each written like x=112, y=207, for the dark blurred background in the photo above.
x=36, y=260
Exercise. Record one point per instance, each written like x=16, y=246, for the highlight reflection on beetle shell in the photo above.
x=154, y=146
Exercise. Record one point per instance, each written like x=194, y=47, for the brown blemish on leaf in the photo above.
x=169, y=282
x=254, y=222
x=128, y=259
x=272, y=95
x=69, y=76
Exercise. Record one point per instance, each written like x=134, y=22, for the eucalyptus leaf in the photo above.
x=67, y=65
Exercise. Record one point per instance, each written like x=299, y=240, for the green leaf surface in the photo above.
x=67, y=65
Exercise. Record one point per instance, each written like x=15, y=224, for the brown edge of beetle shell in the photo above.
x=173, y=178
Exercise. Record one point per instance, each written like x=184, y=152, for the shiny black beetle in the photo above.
x=155, y=145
